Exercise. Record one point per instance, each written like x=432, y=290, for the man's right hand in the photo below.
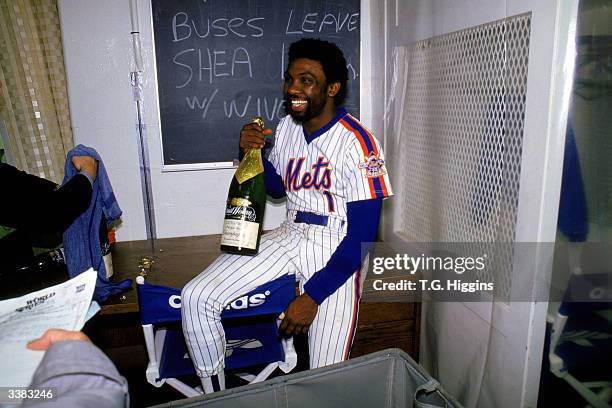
x=252, y=136
x=86, y=164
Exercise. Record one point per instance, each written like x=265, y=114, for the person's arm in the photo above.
x=275, y=187
x=363, y=218
x=19, y=192
x=40, y=205
x=65, y=205
x=79, y=372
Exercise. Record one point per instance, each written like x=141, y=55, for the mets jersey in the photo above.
x=322, y=172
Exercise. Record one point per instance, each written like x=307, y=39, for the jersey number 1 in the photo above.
x=330, y=201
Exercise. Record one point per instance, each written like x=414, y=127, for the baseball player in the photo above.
x=332, y=171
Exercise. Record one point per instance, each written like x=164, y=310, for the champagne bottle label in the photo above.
x=240, y=228
x=108, y=264
x=105, y=248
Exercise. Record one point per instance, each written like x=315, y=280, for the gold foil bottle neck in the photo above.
x=251, y=165
x=258, y=120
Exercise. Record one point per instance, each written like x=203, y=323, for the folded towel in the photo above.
x=82, y=238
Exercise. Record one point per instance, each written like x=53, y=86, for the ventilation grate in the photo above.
x=462, y=134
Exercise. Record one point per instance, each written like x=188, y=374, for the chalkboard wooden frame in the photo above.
x=203, y=35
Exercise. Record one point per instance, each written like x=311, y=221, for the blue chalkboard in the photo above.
x=221, y=62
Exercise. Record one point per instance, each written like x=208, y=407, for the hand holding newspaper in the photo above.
x=22, y=319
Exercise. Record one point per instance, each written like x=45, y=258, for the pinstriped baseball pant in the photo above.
x=293, y=248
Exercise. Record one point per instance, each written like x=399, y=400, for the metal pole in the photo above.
x=143, y=151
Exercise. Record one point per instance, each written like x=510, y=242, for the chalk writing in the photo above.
x=220, y=62
x=194, y=102
x=212, y=63
x=183, y=27
x=259, y=106
x=322, y=23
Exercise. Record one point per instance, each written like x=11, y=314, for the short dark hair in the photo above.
x=329, y=56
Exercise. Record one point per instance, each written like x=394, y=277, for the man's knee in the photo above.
x=197, y=293
x=194, y=291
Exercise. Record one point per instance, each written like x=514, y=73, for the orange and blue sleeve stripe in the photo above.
x=378, y=187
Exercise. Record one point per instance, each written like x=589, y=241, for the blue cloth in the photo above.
x=82, y=238
x=573, y=216
x=362, y=218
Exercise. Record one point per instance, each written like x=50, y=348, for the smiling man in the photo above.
x=332, y=171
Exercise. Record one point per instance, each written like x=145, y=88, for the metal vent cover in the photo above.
x=462, y=138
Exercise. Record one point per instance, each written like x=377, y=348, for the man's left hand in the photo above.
x=56, y=335
x=299, y=315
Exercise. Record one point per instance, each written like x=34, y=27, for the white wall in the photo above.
x=99, y=59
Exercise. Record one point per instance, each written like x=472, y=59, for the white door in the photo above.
x=475, y=105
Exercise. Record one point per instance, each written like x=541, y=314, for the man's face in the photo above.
x=305, y=90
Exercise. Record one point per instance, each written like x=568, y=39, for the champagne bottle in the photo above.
x=246, y=203
x=105, y=248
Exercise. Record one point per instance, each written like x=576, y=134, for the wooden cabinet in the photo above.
x=383, y=325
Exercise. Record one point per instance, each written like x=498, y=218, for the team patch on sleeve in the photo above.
x=369, y=165
x=373, y=165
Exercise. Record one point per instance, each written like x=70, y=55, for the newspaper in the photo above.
x=26, y=318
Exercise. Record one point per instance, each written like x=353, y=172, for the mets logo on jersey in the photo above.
x=373, y=165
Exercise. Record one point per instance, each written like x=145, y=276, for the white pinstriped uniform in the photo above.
x=350, y=167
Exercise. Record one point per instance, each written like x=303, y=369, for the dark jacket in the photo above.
x=40, y=211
